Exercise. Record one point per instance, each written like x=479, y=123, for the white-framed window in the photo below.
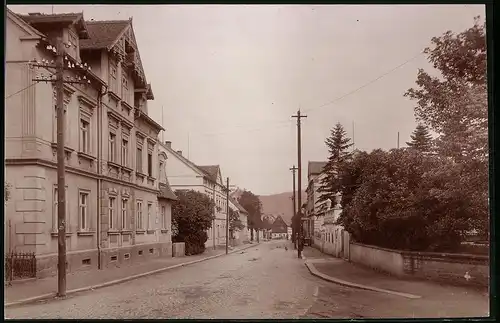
x=124, y=152
x=111, y=212
x=124, y=214
x=83, y=200
x=55, y=226
x=84, y=136
x=112, y=147
x=163, y=218
x=140, y=223
x=150, y=207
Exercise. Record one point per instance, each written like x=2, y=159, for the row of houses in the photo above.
x=120, y=179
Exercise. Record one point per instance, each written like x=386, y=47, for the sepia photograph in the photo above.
x=246, y=162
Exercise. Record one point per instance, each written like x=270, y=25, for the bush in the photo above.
x=192, y=216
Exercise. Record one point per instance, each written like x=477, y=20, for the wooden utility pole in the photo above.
x=294, y=217
x=59, y=82
x=227, y=216
x=61, y=180
x=299, y=192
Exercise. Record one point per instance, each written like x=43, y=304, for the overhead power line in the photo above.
x=366, y=84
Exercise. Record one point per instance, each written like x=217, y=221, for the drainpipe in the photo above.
x=99, y=174
x=213, y=221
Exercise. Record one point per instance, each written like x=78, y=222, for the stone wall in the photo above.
x=456, y=269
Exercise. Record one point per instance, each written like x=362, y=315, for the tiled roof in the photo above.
x=315, y=167
x=166, y=192
x=103, y=34
x=279, y=225
x=238, y=205
x=212, y=171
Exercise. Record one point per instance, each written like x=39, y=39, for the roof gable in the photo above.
x=183, y=159
x=103, y=34
x=39, y=20
x=279, y=225
x=212, y=172
x=33, y=32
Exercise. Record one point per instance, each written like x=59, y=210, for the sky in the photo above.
x=228, y=78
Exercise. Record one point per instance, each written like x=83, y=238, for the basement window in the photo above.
x=126, y=256
x=86, y=261
x=151, y=250
x=140, y=252
x=114, y=258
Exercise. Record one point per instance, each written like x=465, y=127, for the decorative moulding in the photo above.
x=84, y=100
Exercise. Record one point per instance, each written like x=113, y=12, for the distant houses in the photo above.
x=279, y=229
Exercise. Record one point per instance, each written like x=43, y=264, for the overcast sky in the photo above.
x=230, y=77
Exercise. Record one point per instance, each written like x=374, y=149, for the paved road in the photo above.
x=265, y=281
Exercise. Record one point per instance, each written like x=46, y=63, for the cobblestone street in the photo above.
x=265, y=281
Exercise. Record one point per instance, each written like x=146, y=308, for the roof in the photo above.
x=61, y=18
x=279, y=225
x=166, y=192
x=238, y=205
x=315, y=167
x=184, y=159
x=212, y=171
x=24, y=23
x=103, y=34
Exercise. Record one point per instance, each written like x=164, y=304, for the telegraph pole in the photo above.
x=299, y=193
x=227, y=217
x=294, y=217
x=61, y=167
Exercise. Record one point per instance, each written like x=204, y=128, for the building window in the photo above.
x=112, y=147
x=112, y=78
x=55, y=223
x=125, y=88
x=139, y=160
x=124, y=214
x=140, y=224
x=160, y=173
x=84, y=136
x=150, y=206
x=111, y=210
x=83, y=200
x=150, y=165
x=163, y=218
x=124, y=152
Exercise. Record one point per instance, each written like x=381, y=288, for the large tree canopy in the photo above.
x=253, y=205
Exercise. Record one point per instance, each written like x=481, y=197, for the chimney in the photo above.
x=179, y=152
x=168, y=144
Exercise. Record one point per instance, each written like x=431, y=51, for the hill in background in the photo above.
x=280, y=204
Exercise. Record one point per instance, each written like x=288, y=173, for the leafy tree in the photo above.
x=235, y=223
x=338, y=145
x=455, y=107
x=253, y=205
x=192, y=216
x=403, y=199
x=421, y=139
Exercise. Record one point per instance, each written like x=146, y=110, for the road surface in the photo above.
x=263, y=282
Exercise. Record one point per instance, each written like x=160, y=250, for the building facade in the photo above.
x=243, y=235
x=315, y=175
x=183, y=174
x=112, y=160
x=279, y=229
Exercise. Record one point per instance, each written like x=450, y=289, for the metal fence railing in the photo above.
x=19, y=265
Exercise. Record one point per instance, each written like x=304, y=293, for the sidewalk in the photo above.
x=84, y=279
x=449, y=298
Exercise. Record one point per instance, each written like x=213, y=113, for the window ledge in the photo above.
x=140, y=174
x=86, y=156
x=114, y=95
x=113, y=232
x=85, y=233
x=127, y=169
x=151, y=231
x=164, y=230
x=67, y=149
x=126, y=232
x=56, y=234
x=140, y=231
x=151, y=178
x=116, y=165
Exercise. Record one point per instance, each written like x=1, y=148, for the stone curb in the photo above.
x=122, y=280
x=316, y=273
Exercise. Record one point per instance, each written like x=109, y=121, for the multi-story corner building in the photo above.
x=183, y=174
x=115, y=210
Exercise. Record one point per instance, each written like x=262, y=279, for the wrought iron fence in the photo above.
x=20, y=265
